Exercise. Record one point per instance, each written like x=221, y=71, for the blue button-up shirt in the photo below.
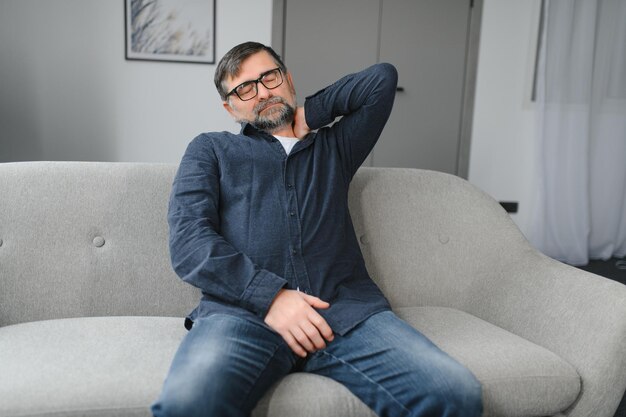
x=246, y=219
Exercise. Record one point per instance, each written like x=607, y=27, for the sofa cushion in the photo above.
x=519, y=378
x=115, y=366
x=98, y=366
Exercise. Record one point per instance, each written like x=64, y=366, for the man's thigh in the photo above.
x=223, y=367
x=397, y=371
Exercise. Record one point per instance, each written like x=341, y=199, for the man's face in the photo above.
x=270, y=109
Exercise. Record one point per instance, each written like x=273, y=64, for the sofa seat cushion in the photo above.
x=519, y=378
x=96, y=366
x=115, y=366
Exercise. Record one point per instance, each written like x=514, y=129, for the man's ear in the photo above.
x=290, y=81
x=229, y=109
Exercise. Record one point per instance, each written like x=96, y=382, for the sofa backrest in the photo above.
x=430, y=238
x=90, y=238
x=86, y=239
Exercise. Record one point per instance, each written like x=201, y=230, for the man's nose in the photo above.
x=263, y=92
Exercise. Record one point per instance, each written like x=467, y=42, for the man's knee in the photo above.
x=171, y=407
x=196, y=387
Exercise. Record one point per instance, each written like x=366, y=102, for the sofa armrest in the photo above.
x=433, y=239
x=577, y=315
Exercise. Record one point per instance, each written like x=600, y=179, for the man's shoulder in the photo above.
x=212, y=139
x=215, y=136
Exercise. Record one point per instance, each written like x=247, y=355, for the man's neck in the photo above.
x=286, y=131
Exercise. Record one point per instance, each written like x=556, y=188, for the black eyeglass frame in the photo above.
x=256, y=84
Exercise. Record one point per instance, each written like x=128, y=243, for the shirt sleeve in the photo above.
x=365, y=100
x=199, y=254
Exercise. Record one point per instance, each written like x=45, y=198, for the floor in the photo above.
x=614, y=269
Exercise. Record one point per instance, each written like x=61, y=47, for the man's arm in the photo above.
x=364, y=100
x=199, y=254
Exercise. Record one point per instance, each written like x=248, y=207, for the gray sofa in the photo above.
x=91, y=312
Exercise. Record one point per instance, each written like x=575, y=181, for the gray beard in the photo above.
x=279, y=118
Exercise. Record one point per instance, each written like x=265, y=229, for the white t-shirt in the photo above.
x=287, y=142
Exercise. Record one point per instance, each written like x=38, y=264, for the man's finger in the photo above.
x=322, y=326
x=315, y=302
x=293, y=344
x=314, y=335
x=302, y=339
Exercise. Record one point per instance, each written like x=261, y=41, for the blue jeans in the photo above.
x=225, y=364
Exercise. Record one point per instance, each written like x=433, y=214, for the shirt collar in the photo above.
x=247, y=129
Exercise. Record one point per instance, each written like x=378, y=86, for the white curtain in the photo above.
x=580, y=201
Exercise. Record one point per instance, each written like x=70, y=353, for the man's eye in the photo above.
x=244, y=88
x=270, y=77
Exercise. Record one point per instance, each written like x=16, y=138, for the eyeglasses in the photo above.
x=249, y=89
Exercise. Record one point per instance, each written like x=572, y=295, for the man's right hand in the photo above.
x=292, y=314
x=300, y=128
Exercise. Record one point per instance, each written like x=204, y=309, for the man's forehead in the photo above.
x=252, y=67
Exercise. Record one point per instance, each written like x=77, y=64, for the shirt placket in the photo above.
x=301, y=277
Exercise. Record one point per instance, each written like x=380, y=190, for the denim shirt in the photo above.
x=246, y=219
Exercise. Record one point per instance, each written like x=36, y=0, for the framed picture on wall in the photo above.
x=170, y=30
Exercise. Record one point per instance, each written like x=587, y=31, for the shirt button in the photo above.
x=289, y=186
x=291, y=213
x=294, y=251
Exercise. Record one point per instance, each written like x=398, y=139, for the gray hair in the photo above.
x=230, y=64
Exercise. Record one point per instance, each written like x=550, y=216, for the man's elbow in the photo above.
x=389, y=73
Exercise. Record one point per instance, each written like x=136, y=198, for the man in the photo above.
x=259, y=222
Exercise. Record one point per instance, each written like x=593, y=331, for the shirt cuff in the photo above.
x=261, y=292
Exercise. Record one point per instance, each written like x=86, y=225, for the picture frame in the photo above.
x=170, y=30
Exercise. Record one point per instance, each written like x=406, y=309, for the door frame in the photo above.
x=469, y=81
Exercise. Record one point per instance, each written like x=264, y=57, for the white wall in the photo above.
x=67, y=92
x=503, y=134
